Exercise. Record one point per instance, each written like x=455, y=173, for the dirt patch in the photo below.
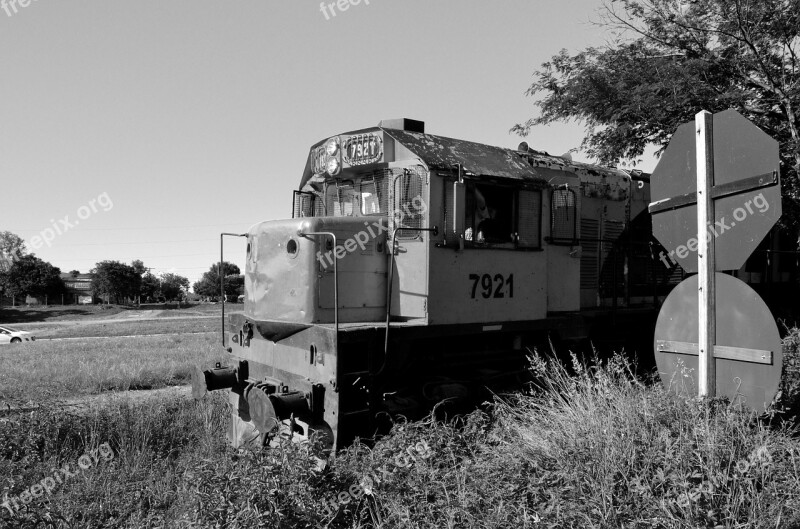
x=83, y=404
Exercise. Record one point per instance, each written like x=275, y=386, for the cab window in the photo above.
x=350, y=198
x=502, y=217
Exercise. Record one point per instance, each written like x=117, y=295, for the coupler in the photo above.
x=220, y=377
x=264, y=405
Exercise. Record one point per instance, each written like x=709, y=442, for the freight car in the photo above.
x=418, y=268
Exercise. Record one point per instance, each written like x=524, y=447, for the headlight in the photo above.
x=333, y=166
x=332, y=147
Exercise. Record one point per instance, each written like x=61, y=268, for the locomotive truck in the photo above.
x=417, y=269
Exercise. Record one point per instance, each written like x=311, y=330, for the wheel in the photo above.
x=16, y=340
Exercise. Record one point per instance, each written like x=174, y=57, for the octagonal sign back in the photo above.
x=746, y=190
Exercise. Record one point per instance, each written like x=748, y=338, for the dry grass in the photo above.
x=593, y=447
x=155, y=449
x=44, y=370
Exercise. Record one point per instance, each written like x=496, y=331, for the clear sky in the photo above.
x=185, y=118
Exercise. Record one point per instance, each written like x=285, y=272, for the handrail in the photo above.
x=390, y=273
x=222, y=275
x=300, y=233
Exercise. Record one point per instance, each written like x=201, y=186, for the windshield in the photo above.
x=352, y=198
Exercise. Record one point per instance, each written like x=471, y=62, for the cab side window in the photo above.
x=408, y=205
x=502, y=217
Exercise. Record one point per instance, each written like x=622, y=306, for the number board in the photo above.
x=362, y=149
x=319, y=160
x=486, y=286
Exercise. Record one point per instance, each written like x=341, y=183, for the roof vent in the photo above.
x=524, y=147
x=410, y=125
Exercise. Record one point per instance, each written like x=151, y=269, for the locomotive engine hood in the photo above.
x=485, y=162
x=289, y=273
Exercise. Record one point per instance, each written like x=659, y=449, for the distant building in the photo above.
x=78, y=289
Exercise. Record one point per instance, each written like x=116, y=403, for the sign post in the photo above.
x=705, y=254
x=716, y=194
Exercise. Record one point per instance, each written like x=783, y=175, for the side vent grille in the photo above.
x=590, y=241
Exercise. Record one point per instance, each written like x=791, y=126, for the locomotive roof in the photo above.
x=482, y=160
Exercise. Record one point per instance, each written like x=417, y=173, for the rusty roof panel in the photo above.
x=483, y=160
x=487, y=160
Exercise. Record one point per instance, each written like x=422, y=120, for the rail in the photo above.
x=221, y=273
x=332, y=235
x=390, y=277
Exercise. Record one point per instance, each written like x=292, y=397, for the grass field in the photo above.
x=598, y=450
x=54, y=313
x=595, y=447
x=134, y=327
x=65, y=369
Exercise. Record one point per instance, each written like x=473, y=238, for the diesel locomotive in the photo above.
x=417, y=269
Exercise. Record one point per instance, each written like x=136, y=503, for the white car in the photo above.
x=9, y=335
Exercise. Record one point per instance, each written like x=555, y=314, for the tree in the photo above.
x=115, y=280
x=672, y=58
x=12, y=247
x=139, y=267
x=30, y=276
x=150, y=286
x=174, y=286
x=209, y=284
x=149, y=283
x=234, y=286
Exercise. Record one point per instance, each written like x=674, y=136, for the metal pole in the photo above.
x=390, y=278
x=222, y=277
x=705, y=255
x=222, y=284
